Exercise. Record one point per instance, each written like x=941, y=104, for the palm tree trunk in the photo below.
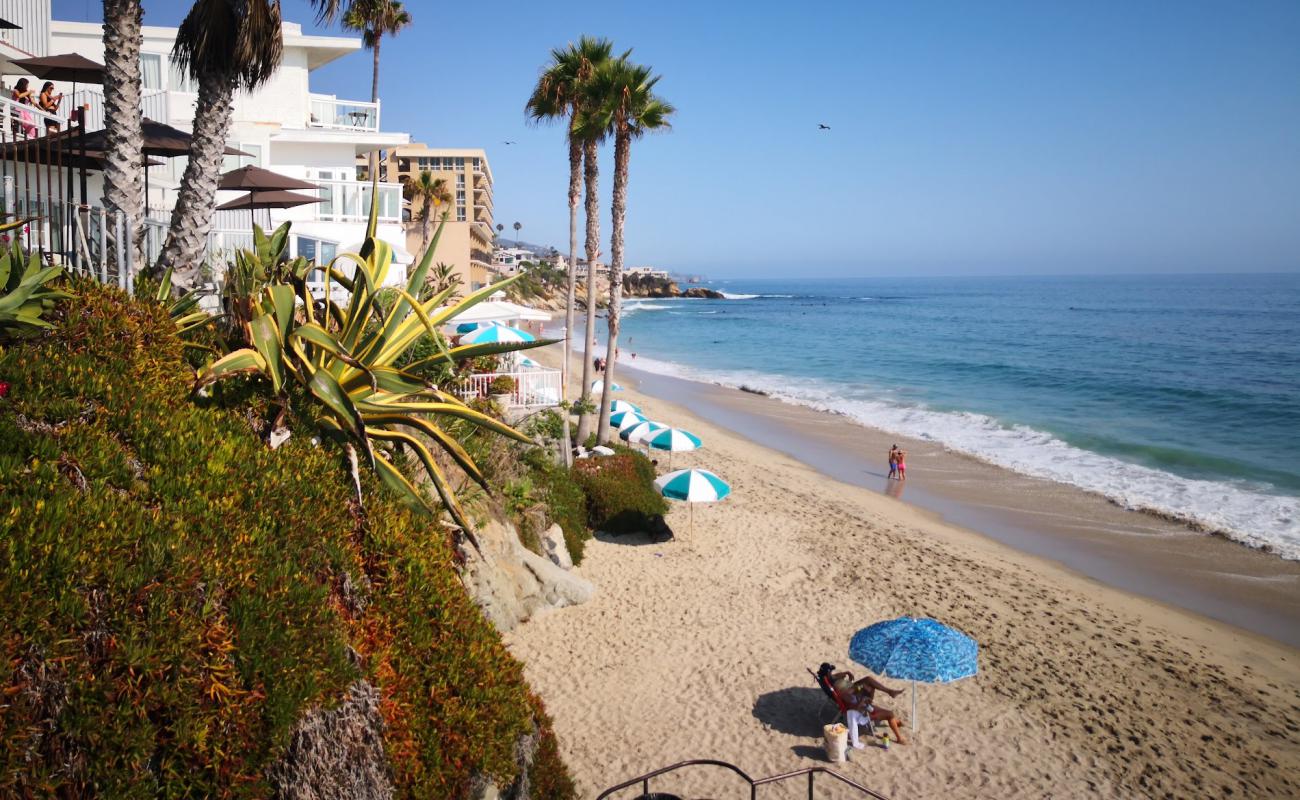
x=123, y=170
x=424, y=238
x=591, y=172
x=618, y=211
x=575, y=192
x=197, y=199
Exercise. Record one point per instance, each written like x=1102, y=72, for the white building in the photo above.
x=283, y=125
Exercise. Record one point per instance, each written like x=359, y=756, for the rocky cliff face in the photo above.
x=645, y=286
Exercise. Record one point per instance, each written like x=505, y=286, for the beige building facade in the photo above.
x=466, y=242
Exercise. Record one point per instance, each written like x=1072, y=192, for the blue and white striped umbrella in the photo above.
x=693, y=486
x=916, y=650
x=599, y=386
x=525, y=361
x=616, y=406
x=630, y=420
x=493, y=334
x=638, y=432
x=674, y=440
x=616, y=420
x=466, y=327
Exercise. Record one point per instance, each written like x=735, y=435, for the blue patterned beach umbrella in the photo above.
x=693, y=486
x=915, y=650
x=493, y=334
x=599, y=386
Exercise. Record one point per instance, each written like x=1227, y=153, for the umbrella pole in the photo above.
x=913, y=706
x=692, y=512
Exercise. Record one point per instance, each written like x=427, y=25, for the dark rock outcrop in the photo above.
x=646, y=286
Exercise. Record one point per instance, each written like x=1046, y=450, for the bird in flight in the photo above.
x=508, y=142
x=821, y=126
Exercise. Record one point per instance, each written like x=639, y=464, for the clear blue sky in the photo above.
x=967, y=138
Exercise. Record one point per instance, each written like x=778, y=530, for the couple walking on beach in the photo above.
x=897, y=463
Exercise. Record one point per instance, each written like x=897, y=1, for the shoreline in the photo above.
x=1082, y=687
x=1163, y=559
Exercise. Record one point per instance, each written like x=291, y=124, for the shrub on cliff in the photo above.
x=175, y=596
x=565, y=502
x=620, y=490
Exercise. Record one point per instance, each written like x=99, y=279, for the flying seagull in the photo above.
x=508, y=142
x=821, y=126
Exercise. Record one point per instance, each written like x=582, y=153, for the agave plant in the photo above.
x=344, y=358
x=25, y=292
x=253, y=270
x=184, y=310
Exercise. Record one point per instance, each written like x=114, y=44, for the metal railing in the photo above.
x=153, y=105
x=537, y=387
x=643, y=782
x=327, y=111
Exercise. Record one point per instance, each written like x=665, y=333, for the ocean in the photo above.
x=1178, y=395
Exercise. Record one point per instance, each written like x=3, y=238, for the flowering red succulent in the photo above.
x=4, y=389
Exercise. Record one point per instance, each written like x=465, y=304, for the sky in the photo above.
x=965, y=138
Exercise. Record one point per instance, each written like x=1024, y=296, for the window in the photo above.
x=179, y=80
x=460, y=197
x=318, y=250
x=460, y=179
x=460, y=213
x=254, y=157
x=150, y=71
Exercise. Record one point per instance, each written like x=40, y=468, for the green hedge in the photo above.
x=620, y=490
x=174, y=595
x=565, y=501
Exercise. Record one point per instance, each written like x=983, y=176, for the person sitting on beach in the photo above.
x=858, y=696
x=893, y=461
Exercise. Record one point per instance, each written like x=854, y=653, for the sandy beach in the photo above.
x=697, y=648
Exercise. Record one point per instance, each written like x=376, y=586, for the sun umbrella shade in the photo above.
x=466, y=327
x=640, y=431
x=630, y=419
x=254, y=200
x=674, y=440
x=70, y=67
x=252, y=178
x=6, y=25
x=599, y=386
x=616, y=406
x=915, y=649
x=617, y=419
x=159, y=140
x=493, y=334
x=693, y=486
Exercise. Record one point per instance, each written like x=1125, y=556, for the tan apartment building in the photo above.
x=466, y=242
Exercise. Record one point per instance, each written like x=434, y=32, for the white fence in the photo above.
x=153, y=105
x=534, y=388
x=327, y=111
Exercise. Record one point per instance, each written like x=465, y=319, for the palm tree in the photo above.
x=224, y=45
x=123, y=172
x=375, y=19
x=431, y=193
x=558, y=95
x=624, y=105
x=518, y=225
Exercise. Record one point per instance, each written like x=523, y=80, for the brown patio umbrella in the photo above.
x=160, y=139
x=269, y=198
x=6, y=25
x=256, y=179
x=73, y=68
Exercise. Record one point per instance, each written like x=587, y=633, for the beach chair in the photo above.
x=823, y=680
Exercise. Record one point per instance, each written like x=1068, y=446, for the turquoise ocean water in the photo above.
x=1173, y=394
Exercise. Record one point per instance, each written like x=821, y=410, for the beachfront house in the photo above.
x=284, y=126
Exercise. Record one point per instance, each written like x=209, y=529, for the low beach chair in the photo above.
x=823, y=680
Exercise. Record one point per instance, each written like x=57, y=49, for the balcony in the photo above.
x=535, y=387
x=327, y=111
x=349, y=201
x=153, y=105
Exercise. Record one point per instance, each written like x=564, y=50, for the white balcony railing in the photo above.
x=537, y=387
x=327, y=111
x=153, y=105
x=349, y=201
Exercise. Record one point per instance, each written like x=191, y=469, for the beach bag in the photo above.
x=836, y=742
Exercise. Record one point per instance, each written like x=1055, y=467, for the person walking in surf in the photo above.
x=893, y=462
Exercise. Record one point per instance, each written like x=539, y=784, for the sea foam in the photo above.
x=1246, y=513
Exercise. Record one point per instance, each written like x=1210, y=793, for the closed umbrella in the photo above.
x=693, y=486
x=493, y=334
x=674, y=440
x=914, y=650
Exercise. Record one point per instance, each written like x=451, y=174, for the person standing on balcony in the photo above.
x=49, y=103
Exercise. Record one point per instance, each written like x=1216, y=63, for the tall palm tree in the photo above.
x=518, y=225
x=224, y=45
x=625, y=106
x=375, y=19
x=431, y=193
x=124, y=139
x=558, y=95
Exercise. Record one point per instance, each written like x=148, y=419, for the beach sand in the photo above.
x=697, y=648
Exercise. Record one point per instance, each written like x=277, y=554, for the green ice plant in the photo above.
x=345, y=360
x=25, y=291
